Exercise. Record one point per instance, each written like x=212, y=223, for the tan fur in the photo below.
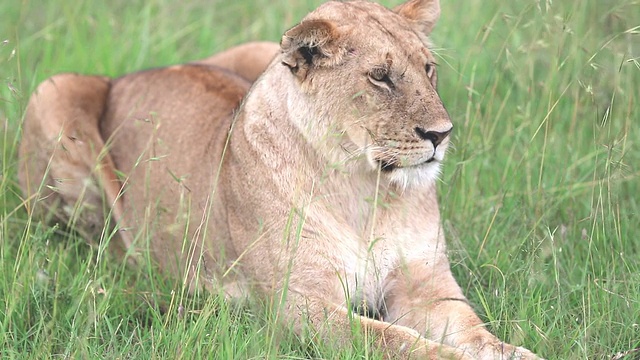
x=247, y=60
x=318, y=192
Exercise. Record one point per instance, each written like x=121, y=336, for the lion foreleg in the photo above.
x=427, y=298
x=336, y=324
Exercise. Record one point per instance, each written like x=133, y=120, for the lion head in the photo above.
x=371, y=78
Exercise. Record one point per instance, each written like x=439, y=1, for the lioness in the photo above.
x=319, y=190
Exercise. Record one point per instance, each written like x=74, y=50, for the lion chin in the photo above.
x=416, y=176
x=405, y=175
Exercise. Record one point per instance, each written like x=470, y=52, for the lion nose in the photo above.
x=436, y=137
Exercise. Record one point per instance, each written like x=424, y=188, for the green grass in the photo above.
x=540, y=196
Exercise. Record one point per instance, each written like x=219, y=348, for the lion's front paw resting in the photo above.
x=524, y=354
x=502, y=351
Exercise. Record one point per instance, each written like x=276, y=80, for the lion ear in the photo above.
x=422, y=14
x=310, y=44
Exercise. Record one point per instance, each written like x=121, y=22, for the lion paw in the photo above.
x=503, y=351
x=509, y=352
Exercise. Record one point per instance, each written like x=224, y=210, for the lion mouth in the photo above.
x=386, y=166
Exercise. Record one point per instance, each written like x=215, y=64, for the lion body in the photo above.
x=320, y=186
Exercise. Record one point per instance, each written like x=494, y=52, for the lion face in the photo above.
x=371, y=78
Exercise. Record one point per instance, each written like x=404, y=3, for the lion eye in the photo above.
x=380, y=77
x=430, y=69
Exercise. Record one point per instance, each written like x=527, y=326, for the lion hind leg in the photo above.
x=65, y=171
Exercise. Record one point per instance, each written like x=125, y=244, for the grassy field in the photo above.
x=540, y=195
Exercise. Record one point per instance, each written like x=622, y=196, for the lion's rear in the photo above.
x=160, y=132
x=166, y=131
